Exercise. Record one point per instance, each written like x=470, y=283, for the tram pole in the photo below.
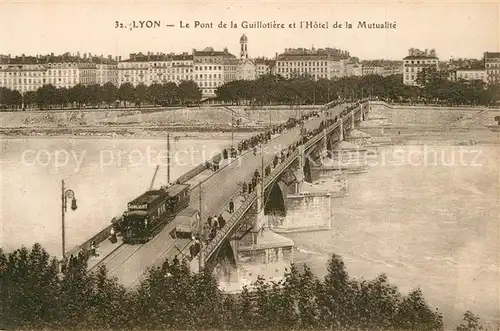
x=63, y=203
x=168, y=159
x=262, y=174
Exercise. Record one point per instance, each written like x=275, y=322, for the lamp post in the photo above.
x=65, y=195
x=200, y=230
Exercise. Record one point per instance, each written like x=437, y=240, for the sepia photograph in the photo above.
x=252, y=165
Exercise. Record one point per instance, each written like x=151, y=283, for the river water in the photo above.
x=426, y=218
x=424, y=221
x=104, y=173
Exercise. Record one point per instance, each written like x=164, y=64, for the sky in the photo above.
x=454, y=29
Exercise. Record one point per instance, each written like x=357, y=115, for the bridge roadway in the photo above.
x=129, y=262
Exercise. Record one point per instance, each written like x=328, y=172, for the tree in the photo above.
x=94, y=94
x=335, y=294
x=171, y=297
x=415, y=314
x=140, y=94
x=470, y=322
x=189, y=92
x=170, y=93
x=46, y=96
x=76, y=95
x=61, y=97
x=28, y=286
x=29, y=98
x=109, y=93
x=126, y=93
x=154, y=93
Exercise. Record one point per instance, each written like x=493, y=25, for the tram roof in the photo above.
x=149, y=197
x=175, y=189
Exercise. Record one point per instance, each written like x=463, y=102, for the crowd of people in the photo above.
x=214, y=224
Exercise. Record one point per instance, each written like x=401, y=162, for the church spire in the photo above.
x=243, y=47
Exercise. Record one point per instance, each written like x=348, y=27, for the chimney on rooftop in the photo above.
x=194, y=50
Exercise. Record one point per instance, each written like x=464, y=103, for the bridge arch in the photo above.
x=223, y=258
x=275, y=202
x=307, y=170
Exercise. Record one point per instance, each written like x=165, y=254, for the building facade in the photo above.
x=321, y=63
x=28, y=73
x=264, y=67
x=213, y=69
x=353, y=69
x=107, y=73
x=247, y=70
x=372, y=70
x=469, y=74
x=415, y=62
x=492, y=66
x=389, y=71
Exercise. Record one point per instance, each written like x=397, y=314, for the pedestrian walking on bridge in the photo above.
x=231, y=206
x=222, y=222
x=206, y=233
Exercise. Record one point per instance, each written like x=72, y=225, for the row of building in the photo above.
x=208, y=68
x=486, y=70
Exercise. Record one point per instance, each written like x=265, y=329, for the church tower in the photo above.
x=243, y=47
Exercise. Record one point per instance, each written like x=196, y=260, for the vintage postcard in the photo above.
x=249, y=165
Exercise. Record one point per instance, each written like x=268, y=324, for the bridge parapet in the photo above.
x=213, y=245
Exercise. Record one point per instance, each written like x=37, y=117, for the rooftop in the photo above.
x=51, y=58
x=314, y=53
x=268, y=62
x=471, y=68
x=492, y=54
x=419, y=57
x=209, y=51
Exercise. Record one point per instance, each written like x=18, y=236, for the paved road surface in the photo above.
x=130, y=263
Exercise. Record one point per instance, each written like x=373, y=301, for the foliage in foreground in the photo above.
x=34, y=297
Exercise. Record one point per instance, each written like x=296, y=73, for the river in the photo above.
x=424, y=218
x=431, y=225
x=104, y=173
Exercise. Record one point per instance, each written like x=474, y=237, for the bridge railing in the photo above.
x=106, y=231
x=211, y=247
x=249, y=200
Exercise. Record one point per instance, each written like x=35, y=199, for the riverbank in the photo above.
x=127, y=131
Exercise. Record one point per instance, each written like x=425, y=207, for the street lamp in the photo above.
x=65, y=195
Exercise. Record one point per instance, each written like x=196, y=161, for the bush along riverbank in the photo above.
x=34, y=296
